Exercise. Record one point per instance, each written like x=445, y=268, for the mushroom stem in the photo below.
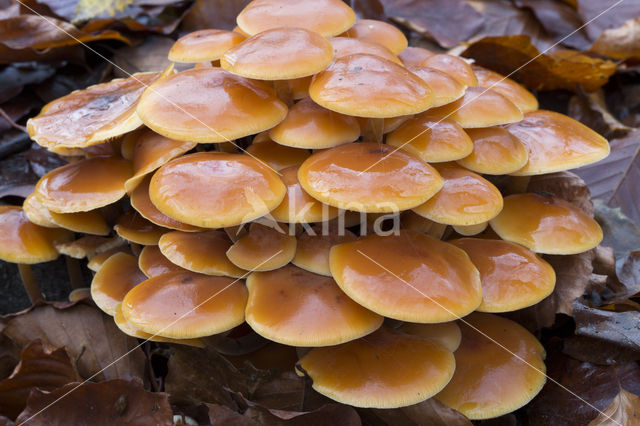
x=75, y=272
x=283, y=91
x=374, y=130
x=239, y=345
x=136, y=249
x=469, y=230
x=436, y=230
x=518, y=184
x=29, y=283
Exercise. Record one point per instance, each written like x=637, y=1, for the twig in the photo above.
x=11, y=122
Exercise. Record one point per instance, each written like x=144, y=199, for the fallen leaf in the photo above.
x=150, y=55
x=598, y=351
x=12, y=142
x=629, y=274
x=327, y=415
x=16, y=178
x=560, y=69
x=624, y=410
x=42, y=161
x=619, y=328
x=590, y=109
x=89, y=9
x=9, y=357
x=605, y=14
x=71, y=77
x=565, y=185
x=15, y=76
x=368, y=9
x=219, y=14
x=40, y=367
x=430, y=412
x=620, y=43
x=620, y=232
x=107, y=403
x=219, y=415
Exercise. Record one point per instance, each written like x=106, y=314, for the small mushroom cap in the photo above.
x=344, y=46
x=556, y=142
x=26, y=242
x=308, y=125
x=135, y=228
x=466, y=198
x=98, y=260
x=495, y=152
x=378, y=32
x=492, y=379
x=370, y=86
x=203, y=45
x=90, y=116
x=453, y=66
x=86, y=185
x=480, y=107
x=311, y=309
x=368, y=177
x=37, y=213
x=414, y=56
x=186, y=305
x=88, y=246
x=446, y=89
x=91, y=222
x=446, y=333
x=114, y=279
x=279, y=54
x=203, y=252
x=312, y=251
x=408, y=276
x=506, y=87
x=385, y=369
x=432, y=138
x=546, y=225
x=216, y=190
x=513, y=277
x=209, y=105
x=78, y=294
x=298, y=206
x=262, y=249
x=153, y=263
x=277, y=155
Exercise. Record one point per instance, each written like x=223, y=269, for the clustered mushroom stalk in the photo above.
x=290, y=236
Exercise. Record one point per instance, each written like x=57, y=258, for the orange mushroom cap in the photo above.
x=453, y=66
x=153, y=263
x=117, y=275
x=344, y=46
x=446, y=89
x=378, y=32
x=495, y=152
x=277, y=155
x=312, y=251
x=413, y=55
x=446, y=333
x=37, y=213
x=98, y=260
x=203, y=45
x=262, y=249
x=506, y=87
x=133, y=227
x=91, y=222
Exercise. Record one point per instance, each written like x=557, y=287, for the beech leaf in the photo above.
x=620, y=43
x=620, y=328
x=623, y=411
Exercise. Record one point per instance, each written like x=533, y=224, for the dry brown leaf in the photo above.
x=591, y=109
x=629, y=274
x=327, y=415
x=219, y=415
x=40, y=367
x=597, y=351
x=150, y=55
x=219, y=14
x=430, y=412
x=620, y=43
x=605, y=14
x=619, y=328
x=565, y=185
x=113, y=402
x=623, y=411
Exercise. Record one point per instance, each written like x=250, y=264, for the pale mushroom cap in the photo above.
x=26, y=242
x=184, y=305
x=556, y=142
x=96, y=261
x=277, y=155
x=326, y=17
x=209, y=105
x=453, y=66
x=546, y=225
x=466, y=198
x=446, y=89
x=495, y=152
x=88, y=246
x=414, y=56
x=37, y=213
x=262, y=249
x=506, y=87
x=344, y=46
x=90, y=222
x=311, y=309
x=203, y=45
x=378, y=32
x=370, y=86
x=409, y=276
x=153, y=263
x=85, y=185
x=492, y=380
x=312, y=251
x=133, y=227
x=308, y=125
x=203, y=252
x=117, y=275
x=432, y=138
x=215, y=190
x=446, y=333
x=385, y=369
x=368, y=177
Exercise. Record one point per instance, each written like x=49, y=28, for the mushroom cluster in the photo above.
x=314, y=177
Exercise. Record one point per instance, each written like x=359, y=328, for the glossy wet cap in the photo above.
x=378, y=32
x=370, y=86
x=91, y=222
x=311, y=309
x=546, y=224
x=203, y=45
x=314, y=246
x=385, y=369
x=556, y=142
x=96, y=261
x=492, y=379
x=88, y=246
x=215, y=190
x=114, y=279
x=90, y=116
x=153, y=263
x=263, y=248
x=184, y=305
x=325, y=17
x=276, y=155
x=414, y=56
x=409, y=276
x=495, y=152
x=453, y=66
x=37, y=213
x=368, y=177
x=446, y=89
x=209, y=105
x=506, y=87
x=446, y=333
x=345, y=46
x=133, y=227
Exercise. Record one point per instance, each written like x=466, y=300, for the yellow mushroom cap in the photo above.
x=279, y=54
x=370, y=86
x=311, y=309
x=215, y=190
x=312, y=251
x=153, y=263
x=308, y=125
x=368, y=177
x=446, y=89
x=556, y=142
x=209, y=105
x=432, y=138
x=262, y=249
x=414, y=56
x=446, y=333
x=90, y=116
x=117, y=275
x=378, y=32
x=506, y=87
x=96, y=261
x=86, y=185
x=37, y=213
x=408, y=276
x=277, y=155
x=26, y=242
x=344, y=46
x=91, y=222
x=135, y=228
x=453, y=66
x=495, y=152
x=466, y=198
x=492, y=379
x=326, y=17
x=203, y=45
x=546, y=225
x=385, y=369
x=186, y=305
